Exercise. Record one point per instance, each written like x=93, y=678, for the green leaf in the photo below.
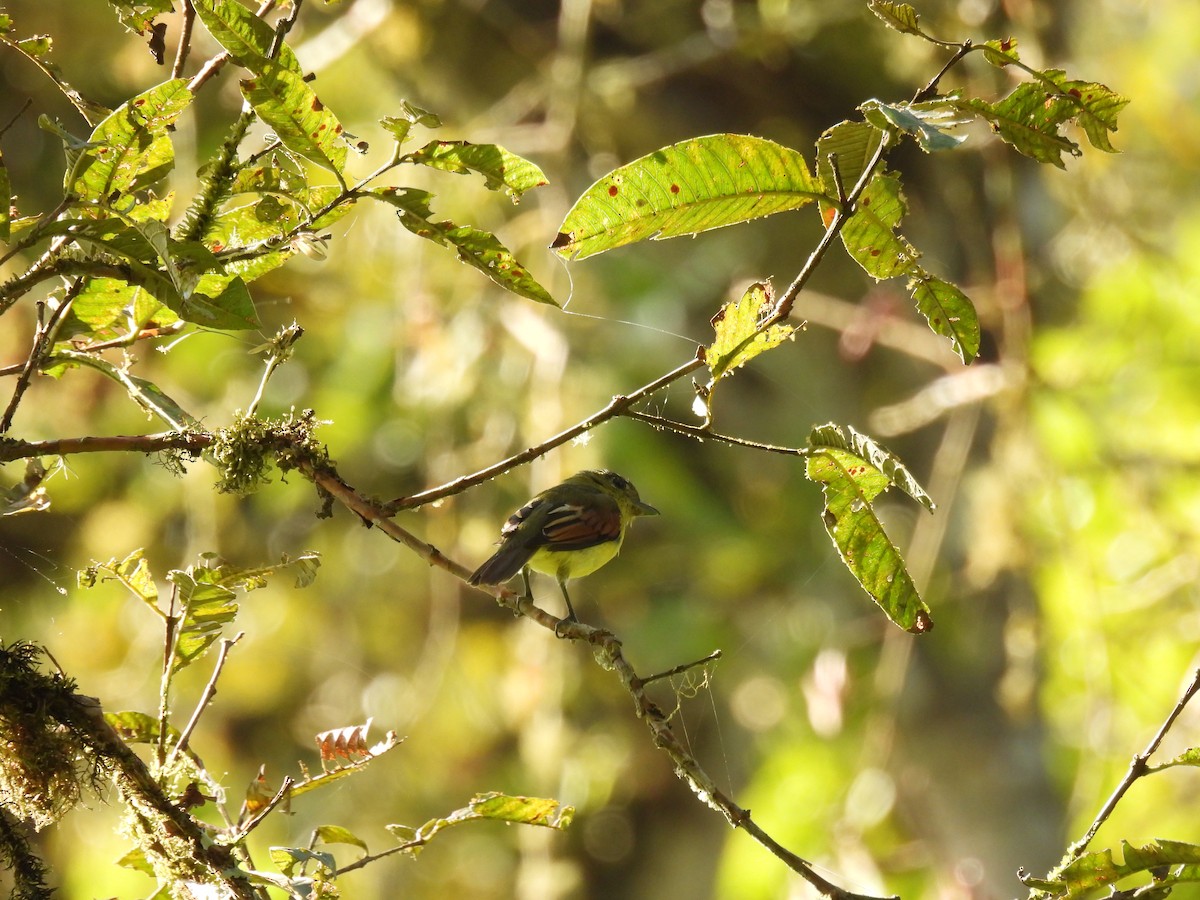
x=739, y=337
x=547, y=813
x=500, y=168
x=1167, y=862
x=247, y=37
x=136, y=15
x=926, y=121
x=287, y=105
x=853, y=144
x=1189, y=757
x=138, y=727
x=336, y=834
x=131, y=149
x=853, y=471
x=949, y=312
x=1001, y=53
x=476, y=248
x=287, y=858
x=1097, y=107
x=900, y=16
x=206, y=608
x=689, y=187
x=303, y=569
x=540, y=811
x=108, y=308
x=1029, y=119
x=410, y=114
x=133, y=572
x=869, y=234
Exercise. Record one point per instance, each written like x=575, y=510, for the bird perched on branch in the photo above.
x=568, y=531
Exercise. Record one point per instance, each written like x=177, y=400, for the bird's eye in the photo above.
x=618, y=482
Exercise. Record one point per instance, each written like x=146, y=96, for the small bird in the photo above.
x=568, y=531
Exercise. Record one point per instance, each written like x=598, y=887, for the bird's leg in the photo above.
x=527, y=597
x=571, y=617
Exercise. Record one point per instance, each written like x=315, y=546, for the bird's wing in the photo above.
x=573, y=526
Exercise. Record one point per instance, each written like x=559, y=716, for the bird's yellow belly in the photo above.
x=564, y=564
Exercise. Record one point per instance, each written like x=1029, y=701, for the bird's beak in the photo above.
x=644, y=509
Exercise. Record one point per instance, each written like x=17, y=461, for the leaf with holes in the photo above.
x=499, y=167
x=131, y=149
x=289, y=107
x=739, y=333
x=853, y=471
x=689, y=187
x=207, y=608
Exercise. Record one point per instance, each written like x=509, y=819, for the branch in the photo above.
x=619, y=406
x=43, y=340
x=210, y=691
x=606, y=646
x=185, y=38
x=1137, y=768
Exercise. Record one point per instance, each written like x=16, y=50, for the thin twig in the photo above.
x=1137, y=768
x=185, y=38
x=43, y=340
x=930, y=88
x=783, y=307
x=210, y=691
x=680, y=669
x=280, y=795
x=618, y=406
x=20, y=112
x=701, y=433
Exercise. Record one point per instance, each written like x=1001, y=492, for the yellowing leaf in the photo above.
x=689, y=187
x=739, y=333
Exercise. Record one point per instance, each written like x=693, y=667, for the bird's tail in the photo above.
x=503, y=565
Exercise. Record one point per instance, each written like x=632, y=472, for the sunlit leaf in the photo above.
x=853, y=471
x=1029, y=119
x=206, y=609
x=286, y=104
x=132, y=148
x=357, y=764
x=1001, y=53
x=869, y=234
x=287, y=858
x=136, y=15
x=689, y=187
x=927, y=121
x=1168, y=862
x=246, y=36
x=479, y=249
x=852, y=145
x=410, y=114
x=500, y=168
x=739, y=337
x=138, y=727
x=949, y=312
x=900, y=16
x=547, y=813
x=1097, y=107
x=133, y=572
x=336, y=834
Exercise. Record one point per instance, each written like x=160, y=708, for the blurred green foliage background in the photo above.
x=1060, y=565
